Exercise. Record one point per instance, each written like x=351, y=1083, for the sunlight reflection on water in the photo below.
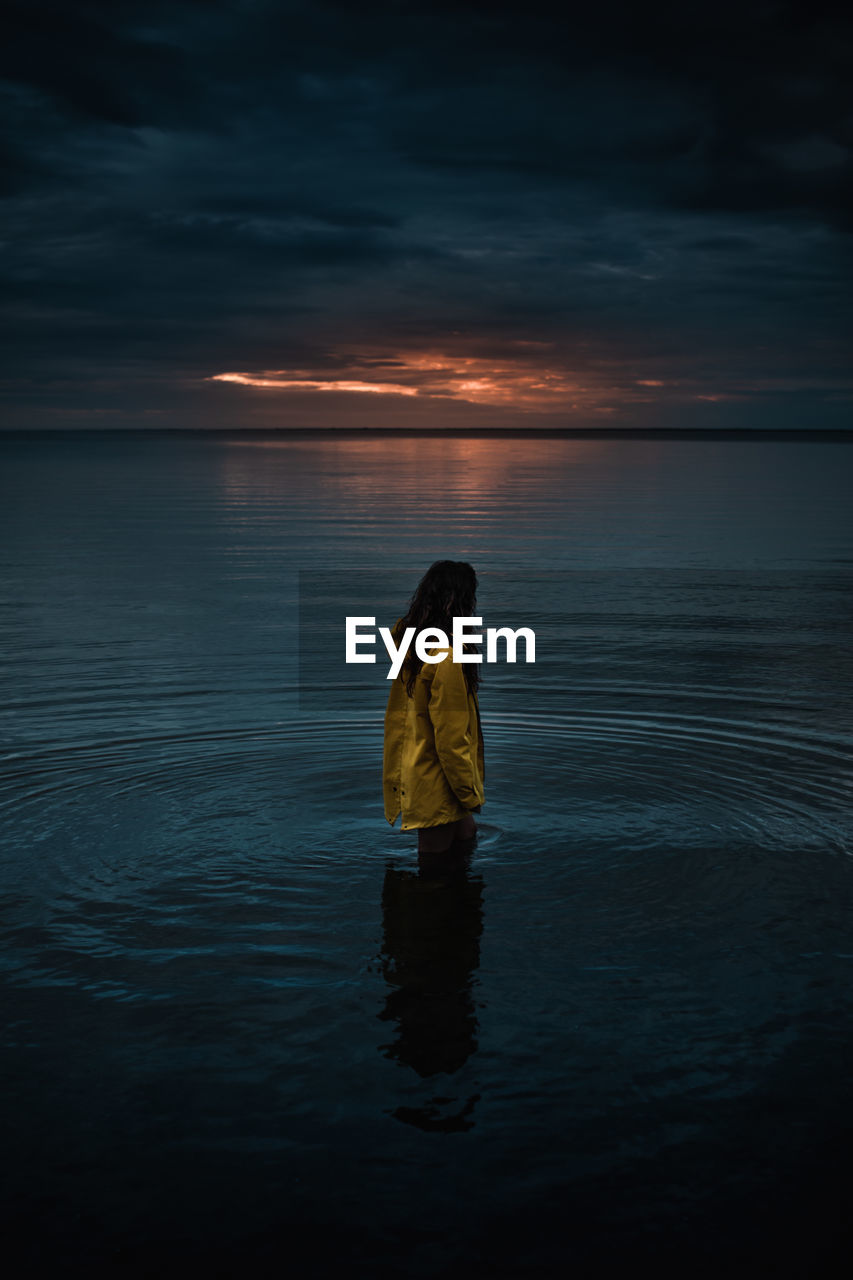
x=221, y=957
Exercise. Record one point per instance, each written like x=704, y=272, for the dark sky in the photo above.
x=610, y=214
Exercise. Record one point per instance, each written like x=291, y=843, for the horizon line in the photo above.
x=587, y=433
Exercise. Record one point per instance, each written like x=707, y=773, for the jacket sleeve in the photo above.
x=448, y=711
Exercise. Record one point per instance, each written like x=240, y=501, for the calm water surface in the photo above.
x=240, y=1021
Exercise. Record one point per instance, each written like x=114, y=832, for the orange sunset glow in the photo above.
x=340, y=384
x=526, y=377
x=510, y=382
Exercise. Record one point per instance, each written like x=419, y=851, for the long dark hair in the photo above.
x=447, y=590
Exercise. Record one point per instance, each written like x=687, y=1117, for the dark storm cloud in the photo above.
x=87, y=61
x=194, y=188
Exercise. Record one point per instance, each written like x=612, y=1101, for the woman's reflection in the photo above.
x=433, y=919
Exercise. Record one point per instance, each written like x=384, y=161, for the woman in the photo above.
x=433, y=765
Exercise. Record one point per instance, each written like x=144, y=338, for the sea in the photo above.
x=246, y=1029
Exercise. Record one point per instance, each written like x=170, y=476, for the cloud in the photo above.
x=279, y=380
x=532, y=379
x=194, y=189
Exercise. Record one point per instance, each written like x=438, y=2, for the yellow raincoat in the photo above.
x=433, y=766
